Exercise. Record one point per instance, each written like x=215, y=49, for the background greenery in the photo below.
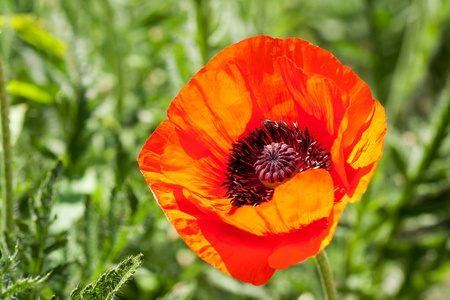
x=88, y=82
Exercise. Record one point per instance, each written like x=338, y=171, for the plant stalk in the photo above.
x=7, y=224
x=328, y=286
x=201, y=7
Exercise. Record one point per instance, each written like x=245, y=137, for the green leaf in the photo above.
x=17, y=117
x=29, y=28
x=22, y=285
x=60, y=241
x=110, y=282
x=399, y=161
x=29, y=91
x=181, y=291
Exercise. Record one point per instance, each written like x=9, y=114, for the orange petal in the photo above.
x=306, y=242
x=190, y=164
x=149, y=157
x=337, y=155
x=298, y=246
x=307, y=197
x=353, y=161
x=215, y=107
x=234, y=252
x=333, y=220
x=256, y=58
x=265, y=50
x=360, y=182
x=321, y=105
x=369, y=143
x=358, y=114
x=363, y=155
x=152, y=158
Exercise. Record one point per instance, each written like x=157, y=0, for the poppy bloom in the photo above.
x=261, y=152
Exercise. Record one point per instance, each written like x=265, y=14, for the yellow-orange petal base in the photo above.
x=185, y=160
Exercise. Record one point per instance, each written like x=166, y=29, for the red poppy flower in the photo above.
x=261, y=152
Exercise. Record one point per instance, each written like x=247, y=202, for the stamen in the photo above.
x=267, y=157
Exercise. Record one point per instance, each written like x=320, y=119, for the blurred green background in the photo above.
x=89, y=81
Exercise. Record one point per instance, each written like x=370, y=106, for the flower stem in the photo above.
x=7, y=181
x=328, y=286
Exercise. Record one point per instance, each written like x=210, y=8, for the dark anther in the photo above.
x=268, y=156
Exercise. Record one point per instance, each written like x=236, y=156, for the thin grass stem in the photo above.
x=201, y=7
x=7, y=178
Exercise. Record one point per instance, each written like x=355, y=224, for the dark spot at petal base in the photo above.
x=268, y=156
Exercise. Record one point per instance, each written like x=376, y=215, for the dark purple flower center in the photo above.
x=269, y=156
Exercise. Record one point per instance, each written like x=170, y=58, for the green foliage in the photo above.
x=110, y=282
x=21, y=284
x=30, y=91
x=28, y=27
x=89, y=81
x=34, y=234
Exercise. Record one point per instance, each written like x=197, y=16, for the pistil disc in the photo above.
x=276, y=163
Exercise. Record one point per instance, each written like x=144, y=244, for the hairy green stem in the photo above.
x=329, y=288
x=7, y=181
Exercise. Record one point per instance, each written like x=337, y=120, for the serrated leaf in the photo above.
x=22, y=285
x=46, y=191
x=75, y=294
x=109, y=282
x=30, y=91
x=9, y=262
